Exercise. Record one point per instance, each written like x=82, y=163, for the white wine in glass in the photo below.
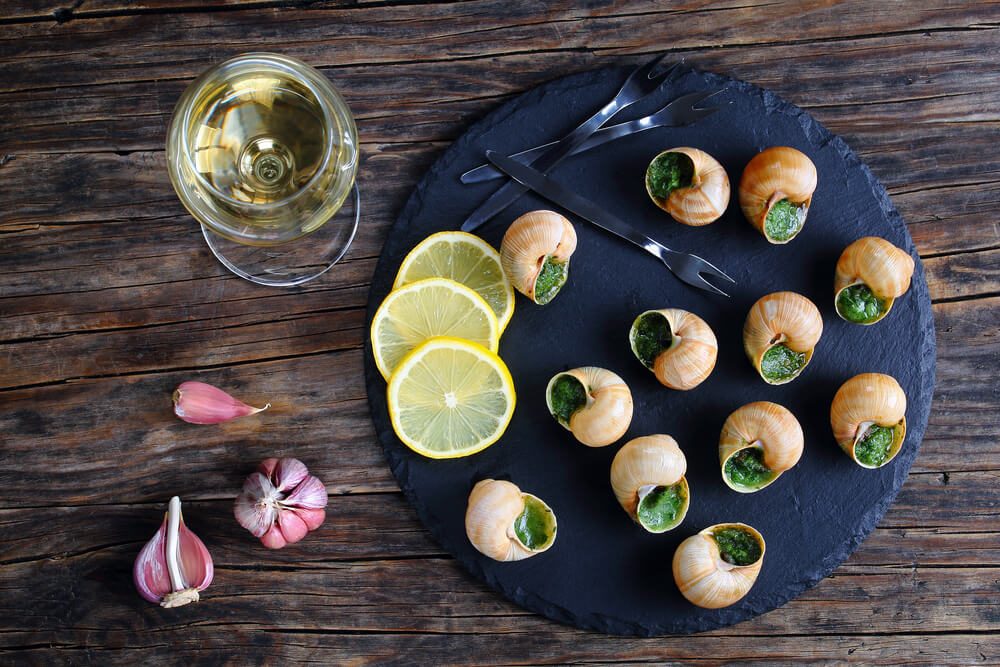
x=263, y=152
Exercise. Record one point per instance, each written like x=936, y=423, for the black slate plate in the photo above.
x=604, y=572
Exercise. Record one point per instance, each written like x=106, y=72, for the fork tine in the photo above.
x=646, y=71
x=711, y=269
x=710, y=94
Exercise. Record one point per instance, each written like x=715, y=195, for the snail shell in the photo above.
x=865, y=400
x=642, y=465
x=767, y=426
x=705, y=200
x=774, y=174
x=494, y=506
x=604, y=411
x=885, y=269
x=705, y=578
x=688, y=359
x=782, y=318
x=533, y=241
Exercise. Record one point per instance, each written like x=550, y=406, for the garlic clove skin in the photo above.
x=281, y=502
x=255, y=508
x=200, y=403
x=175, y=565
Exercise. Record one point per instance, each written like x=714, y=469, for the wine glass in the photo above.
x=263, y=152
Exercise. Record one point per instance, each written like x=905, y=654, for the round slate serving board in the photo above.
x=604, y=572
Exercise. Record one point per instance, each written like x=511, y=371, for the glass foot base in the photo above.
x=297, y=261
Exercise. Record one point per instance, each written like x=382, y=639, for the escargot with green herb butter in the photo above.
x=689, y=184
x=535, y=254
x=759, y=442
x=776, y=190
x=868, y=417
x=871, y=274
x=593, y=403
x=718, y=566
x=679, y=347
x=506, y=524
x=647, y=476
x=779, y=335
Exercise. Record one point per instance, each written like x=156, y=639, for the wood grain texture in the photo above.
x=109, y=299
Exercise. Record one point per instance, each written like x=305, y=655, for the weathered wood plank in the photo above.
x=71, y=598
x=239, y=645
x=444, y=32
x=904, y=84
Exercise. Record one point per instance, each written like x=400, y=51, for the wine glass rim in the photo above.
x=326, y=95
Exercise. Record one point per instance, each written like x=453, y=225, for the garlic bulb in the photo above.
x=535, y=254
x=647, y=476
x=759, y=442
x=779, y=335
x=281, y=502
x=174, y=566
x=679, y=347
x=868, y=417
x=506, y=524
x=593, y=403
x=776, y=190
x=718, y=566
x=871, y=274
x=200, y=403
x=689, y=184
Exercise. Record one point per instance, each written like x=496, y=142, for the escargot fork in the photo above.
x=691, y=269
x=680, y=112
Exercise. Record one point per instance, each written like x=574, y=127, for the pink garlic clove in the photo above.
x=273, y=539
x=200, y=403
x=288, y=473
x=281, y=502
x=174, y=565
x=313, y=518
x=293, y=528
x=310, y=494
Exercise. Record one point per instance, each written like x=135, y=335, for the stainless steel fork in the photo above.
x=682, y=111
x=689, y=268
x=643, y=81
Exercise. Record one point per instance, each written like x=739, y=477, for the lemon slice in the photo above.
x=433, y=307
x=464, y=258
x=450, y=398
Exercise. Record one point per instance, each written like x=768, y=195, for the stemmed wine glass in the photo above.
x=263, y=152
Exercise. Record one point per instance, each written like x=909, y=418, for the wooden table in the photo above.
x=109, y=299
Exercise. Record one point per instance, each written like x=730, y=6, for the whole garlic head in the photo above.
x=281, y=502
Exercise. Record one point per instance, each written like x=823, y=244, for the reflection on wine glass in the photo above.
x=263, y=152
